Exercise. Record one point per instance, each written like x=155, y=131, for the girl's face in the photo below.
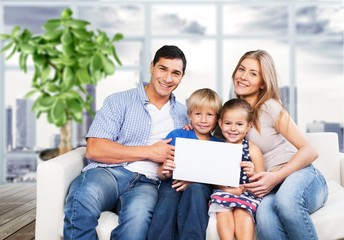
x=203, y=122
x=234, y=125
x=248, y=79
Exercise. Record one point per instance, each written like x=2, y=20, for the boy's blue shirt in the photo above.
x=182, y=133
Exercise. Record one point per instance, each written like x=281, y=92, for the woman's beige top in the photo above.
x=275, y=148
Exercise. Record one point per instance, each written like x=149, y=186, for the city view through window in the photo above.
x=305, y=38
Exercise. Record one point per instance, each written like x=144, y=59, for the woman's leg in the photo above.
x=244, y=225
x=302, y=193
x=225, y=225
x=269, y=226
x=287, y=214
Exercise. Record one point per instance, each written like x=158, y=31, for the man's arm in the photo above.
x=106, y=151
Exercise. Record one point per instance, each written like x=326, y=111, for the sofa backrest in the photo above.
x=327, y=146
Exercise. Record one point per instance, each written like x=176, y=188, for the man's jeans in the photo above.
x=181, y=215
x=284, y=212
x=131, y=195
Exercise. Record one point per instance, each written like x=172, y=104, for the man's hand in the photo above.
x=161, y=151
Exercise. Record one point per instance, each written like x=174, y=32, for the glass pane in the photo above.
x=201, y=65
x=123, y=18
x=121, y=81
x=29, y=17
x=234, y=49
x=320, y=19
x=183, y=19
x=129, y=53
x=320, y=82
x=255, y=20
x=44, y=132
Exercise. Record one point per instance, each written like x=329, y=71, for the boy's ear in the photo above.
x=219, y=122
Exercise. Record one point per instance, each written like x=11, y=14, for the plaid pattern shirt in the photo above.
x=125, y=119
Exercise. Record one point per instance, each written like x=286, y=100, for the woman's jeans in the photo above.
x=131, y=195
x=180, y=215
x=285, y=212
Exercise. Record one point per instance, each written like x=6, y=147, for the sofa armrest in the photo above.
x=341, y=159
x=53, y=180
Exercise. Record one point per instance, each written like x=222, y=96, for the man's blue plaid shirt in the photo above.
x=125, y=119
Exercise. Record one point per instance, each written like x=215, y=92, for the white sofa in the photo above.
x=55, y=176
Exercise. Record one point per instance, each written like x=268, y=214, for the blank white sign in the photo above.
x=207, y=162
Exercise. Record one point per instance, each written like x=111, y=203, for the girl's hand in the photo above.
x=248, y=167
x=180, y=185
x=233, y=190
x=262, y=183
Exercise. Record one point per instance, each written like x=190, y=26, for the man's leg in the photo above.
x=193, y=212
x=136, y=208
x=89, y=194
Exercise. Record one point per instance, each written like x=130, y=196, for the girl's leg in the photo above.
x=244, y=224
x=225, y=225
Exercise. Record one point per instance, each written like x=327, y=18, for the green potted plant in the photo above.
x=66, y=57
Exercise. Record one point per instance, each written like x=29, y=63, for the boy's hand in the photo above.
x=167, y=168
x=180, y=185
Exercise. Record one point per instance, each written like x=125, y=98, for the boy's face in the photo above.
x=203, y=122
x=234, y=125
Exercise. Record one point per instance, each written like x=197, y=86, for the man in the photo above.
x=124, y=150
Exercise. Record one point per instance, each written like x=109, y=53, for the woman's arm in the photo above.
x=305, y=154
x=257, y=157
x=262, y=183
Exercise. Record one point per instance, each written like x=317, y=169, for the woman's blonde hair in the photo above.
x=270, y=88
x=204, y=98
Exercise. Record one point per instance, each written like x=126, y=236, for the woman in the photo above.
x=292, y=188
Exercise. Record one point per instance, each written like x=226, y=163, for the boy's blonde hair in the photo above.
x=204, y=98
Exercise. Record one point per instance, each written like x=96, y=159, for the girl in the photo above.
x=234, y=206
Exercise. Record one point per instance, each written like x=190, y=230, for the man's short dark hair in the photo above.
x=170, y=52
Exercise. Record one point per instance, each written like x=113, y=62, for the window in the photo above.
x=305, y=38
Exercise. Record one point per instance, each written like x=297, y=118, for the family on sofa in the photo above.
x=128, y=161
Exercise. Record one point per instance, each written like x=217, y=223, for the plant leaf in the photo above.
x=51, y=24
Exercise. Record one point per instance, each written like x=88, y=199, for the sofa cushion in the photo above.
x=327, y=220
x=323, y=219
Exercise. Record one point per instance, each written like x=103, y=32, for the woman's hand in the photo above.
x=262, y=183
x=180, y=185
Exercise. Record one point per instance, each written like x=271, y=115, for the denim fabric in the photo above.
x=285, y=212
x=180, y=215
x=131, y=195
